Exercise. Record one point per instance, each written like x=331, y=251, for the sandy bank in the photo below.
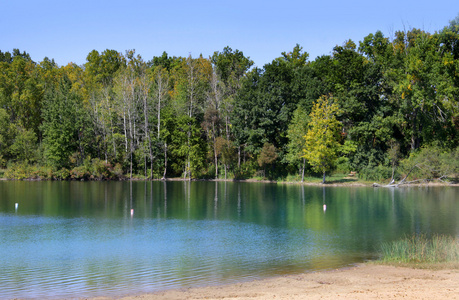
x=366, y=281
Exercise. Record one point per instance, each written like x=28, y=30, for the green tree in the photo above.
x=295, y=133
x=24, y=146
x=21, y=92
x=192, y=82
x=5, y=136
x=266, y=102
x=61, y=125
x=230, y=67
x=322, y=137
x=187, y=147
x=100, y=71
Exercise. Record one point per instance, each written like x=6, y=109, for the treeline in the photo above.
x=120, y=115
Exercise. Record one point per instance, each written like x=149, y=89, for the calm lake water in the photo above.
x=80, y=239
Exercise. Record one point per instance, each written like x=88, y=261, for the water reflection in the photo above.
x=324, y=206
x=78, y=239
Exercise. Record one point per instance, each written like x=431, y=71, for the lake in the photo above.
x=88, y=239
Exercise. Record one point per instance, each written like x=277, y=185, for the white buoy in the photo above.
x=132, y=212
x=16, y=206
x=325, y=207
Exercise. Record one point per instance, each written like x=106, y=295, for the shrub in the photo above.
x=246, y=170
x=342, y=165
x=431, y=162
x=62, y=174
x=378, y=173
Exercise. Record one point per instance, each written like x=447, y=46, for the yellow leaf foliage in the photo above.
x=322, y=137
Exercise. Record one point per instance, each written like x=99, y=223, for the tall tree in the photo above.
x=322, y=137
x=230, y=66
x=266, y=101
x=128, y=102
x=100, y=72
x=61, y=124
x=296, y=131
x=160, y=90
x=192, y=84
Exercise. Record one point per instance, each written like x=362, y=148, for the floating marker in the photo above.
x=325, y=207
x=16, y=206
x=132, y=212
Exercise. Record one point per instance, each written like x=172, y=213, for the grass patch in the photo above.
x=438, y=251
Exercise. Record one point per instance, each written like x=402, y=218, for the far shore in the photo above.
x=363, y=281
x=351, y=182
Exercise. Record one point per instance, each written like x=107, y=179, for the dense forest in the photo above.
x=394, y=104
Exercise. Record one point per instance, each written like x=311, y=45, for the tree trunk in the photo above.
x=215, y=149
x=130, y=172
x=216, y=164
x=125, y=130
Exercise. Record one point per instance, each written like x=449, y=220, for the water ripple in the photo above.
x=94, y=248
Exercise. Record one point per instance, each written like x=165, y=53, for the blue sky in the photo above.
x=68, y=30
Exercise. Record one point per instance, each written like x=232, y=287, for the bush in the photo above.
x=42, y=173
x=96, y=169
x=80, y=173
x=245, y=171
x=62, y=174
x=22, y=170
x=379, y=173
x=18, y=171
x=92, y=169
x=431, y=162
x=342, y=165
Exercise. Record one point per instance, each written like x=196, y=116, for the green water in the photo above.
x=85, y=239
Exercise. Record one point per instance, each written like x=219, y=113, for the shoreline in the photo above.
x=330, y=184
x=362, y=281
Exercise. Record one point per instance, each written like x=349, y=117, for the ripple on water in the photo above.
x=98, y=249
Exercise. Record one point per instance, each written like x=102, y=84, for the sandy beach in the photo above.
x=365, y=281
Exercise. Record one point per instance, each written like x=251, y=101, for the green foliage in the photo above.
x=432, y=162
x=95, y=169
x=20, y=170
x=378, y=173
x=246, y=170
x=231, y=66
x=187, y=147
x=60, y=124
x=23, y=147
x=295, y=133
x=175, y=115
x=6, y=135
x=102, y=67
x=92, y=169
x=322, y=137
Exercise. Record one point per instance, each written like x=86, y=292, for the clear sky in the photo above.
x=68, y=30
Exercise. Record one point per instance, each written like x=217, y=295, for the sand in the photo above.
x=365, y=281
